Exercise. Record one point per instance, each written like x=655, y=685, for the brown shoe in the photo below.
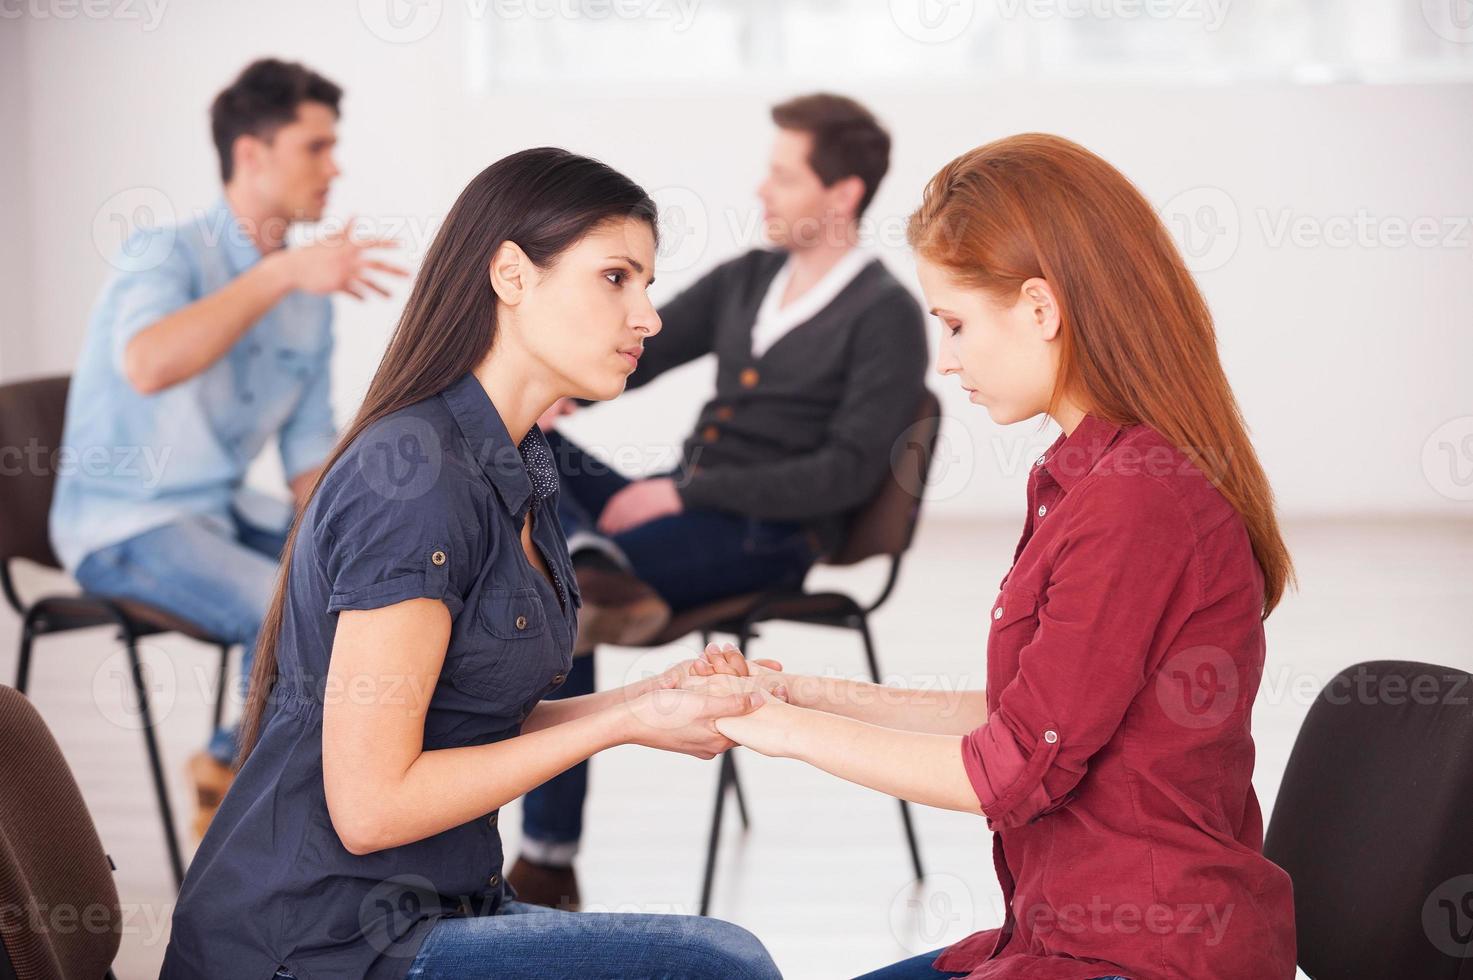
x=617, y=608
x=544, y=884
x=211, y=779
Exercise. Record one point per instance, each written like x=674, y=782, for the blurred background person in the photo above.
x=211, y=339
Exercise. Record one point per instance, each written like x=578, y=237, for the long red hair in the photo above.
x=1137, y=340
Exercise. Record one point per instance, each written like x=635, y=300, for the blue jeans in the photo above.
x=218, y=577
x=920, y=968
x=535, y=942
x=690, y=559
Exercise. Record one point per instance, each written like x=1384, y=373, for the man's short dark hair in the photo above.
x=262, y=99
x=847, y=139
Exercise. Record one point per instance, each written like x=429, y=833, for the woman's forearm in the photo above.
x=444, y=788
x=918, y=766
x=938, y=712
x=548, y=714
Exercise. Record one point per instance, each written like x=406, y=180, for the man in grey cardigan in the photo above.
x=820, y=356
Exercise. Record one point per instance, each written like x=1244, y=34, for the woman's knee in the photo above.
x=736, y=953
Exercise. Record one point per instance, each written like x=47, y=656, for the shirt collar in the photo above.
x=519, y=473
x=1070, y=458
x=240, y=251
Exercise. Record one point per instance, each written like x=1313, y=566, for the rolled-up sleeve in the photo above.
x=156, y=276
x=385, y=540
x=1125, y=563
x=310, y=433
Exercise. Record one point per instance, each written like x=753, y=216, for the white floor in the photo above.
x=822, y=876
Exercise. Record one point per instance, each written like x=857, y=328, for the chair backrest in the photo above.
x=1372, y=823
x=31, y=417
x=62, y=920
x=886, y=524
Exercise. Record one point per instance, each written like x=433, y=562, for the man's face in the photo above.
x=291, y=171
x=797, y=209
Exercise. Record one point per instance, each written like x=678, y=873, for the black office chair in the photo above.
x=31, y=417
x=1374, y=824
x=884, y=526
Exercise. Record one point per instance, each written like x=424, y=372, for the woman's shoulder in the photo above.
x=1147, y=478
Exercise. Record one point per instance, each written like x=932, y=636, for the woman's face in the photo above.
x=1005, y=352
x=586, y=317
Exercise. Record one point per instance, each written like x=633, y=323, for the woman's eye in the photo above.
x=617, y=278
x=955, y=328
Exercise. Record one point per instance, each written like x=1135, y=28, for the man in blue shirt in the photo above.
x=210, y=339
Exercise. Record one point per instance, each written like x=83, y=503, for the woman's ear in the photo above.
x=509, y=270
x=1042, y=306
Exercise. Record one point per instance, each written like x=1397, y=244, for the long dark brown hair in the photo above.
x=545, y=200
x=1138, y=339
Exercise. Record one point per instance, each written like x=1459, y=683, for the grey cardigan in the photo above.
x=803, y=433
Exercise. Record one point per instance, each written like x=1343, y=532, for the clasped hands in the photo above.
x=708, y=704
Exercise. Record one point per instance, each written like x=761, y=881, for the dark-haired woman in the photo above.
x=426, y=609
x=1111, y=750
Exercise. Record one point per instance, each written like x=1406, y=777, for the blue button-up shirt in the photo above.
x=130, y=462
x=427, y=502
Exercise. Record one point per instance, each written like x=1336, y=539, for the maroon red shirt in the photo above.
x=1125, y=649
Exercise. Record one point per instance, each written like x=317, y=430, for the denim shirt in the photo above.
x=130, y=462
x=427, y=502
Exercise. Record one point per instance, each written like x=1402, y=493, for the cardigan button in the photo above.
x=709, y=433
x=1051, y=736
x=749, y=377
x=724, y=413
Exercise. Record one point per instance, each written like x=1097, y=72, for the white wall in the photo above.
x=16, y=325
x=1346, y=358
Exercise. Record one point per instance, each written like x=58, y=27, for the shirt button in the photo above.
x=997, y=613
x=521, y=622
x=491, y=820
x=247, y=397
x=559, y=678
x=438, y=558
x=1038, y=461
x=494, y=880
x=1051, y=736
x=1042, y=510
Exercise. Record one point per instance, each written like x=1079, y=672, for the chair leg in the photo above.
x=736, y=786
x=23, y=665
x=150, y=740
x=220, y=688
x=862, y=626
x=709, y=878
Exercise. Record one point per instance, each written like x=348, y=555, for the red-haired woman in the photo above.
x=1111, y=750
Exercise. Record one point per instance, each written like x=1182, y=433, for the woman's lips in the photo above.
x=632, y=357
